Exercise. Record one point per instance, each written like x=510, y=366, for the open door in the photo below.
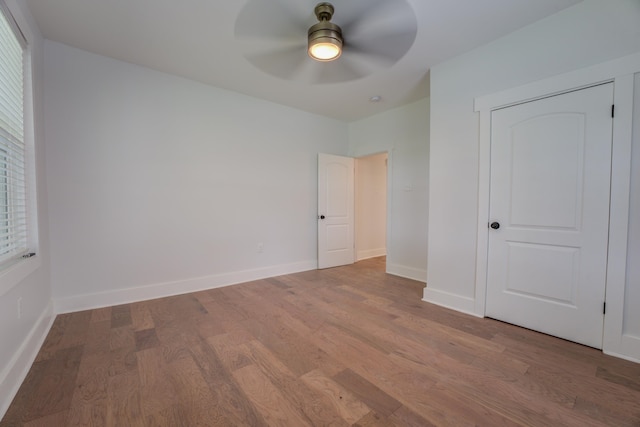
x=335, y=211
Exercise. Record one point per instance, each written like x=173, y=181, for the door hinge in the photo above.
x=604, y=308
x=613, y=110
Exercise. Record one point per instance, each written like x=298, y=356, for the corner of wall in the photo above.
x=449, y=300
x=407, y=272
x=16, y=370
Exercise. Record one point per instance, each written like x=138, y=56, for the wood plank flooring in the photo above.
x=337, y=347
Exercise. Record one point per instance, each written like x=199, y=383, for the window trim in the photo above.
x=14, y=273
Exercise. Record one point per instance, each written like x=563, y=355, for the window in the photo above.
x=13, y=194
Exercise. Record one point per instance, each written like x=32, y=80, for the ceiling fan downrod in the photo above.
x=324, y=11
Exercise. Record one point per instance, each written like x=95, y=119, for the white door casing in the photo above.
x=335, y=210
x=549, y=191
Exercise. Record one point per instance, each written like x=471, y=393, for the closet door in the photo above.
x=549, y=214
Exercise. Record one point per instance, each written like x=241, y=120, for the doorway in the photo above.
x=371, y=206
x=352, y=208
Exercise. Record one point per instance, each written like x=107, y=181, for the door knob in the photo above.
x=321, y=217
x=495, y=225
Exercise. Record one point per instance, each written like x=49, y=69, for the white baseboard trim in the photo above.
x=621, y=356
x=448, y=300
x=371, y=253
x=160, y=290
x=407, y=272
x=625, y=347
x=17, y=369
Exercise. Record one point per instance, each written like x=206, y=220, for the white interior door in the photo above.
x=550, y=184
x=335, y=210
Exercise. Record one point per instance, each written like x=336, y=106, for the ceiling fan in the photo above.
x=327, y=43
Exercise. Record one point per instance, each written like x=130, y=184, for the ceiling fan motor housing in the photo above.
x=325, y=31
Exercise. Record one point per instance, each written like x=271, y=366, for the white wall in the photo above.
x=589, y=33
x=631, y=321
x=21, y=335
x=371, y=206
x=404, y=133
x=160, y=185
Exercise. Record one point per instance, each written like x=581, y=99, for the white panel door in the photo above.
x=549, y=214
x=335, y=210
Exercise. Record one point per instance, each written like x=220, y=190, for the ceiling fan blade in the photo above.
x=384, y=49
x=276, y=19
x=350, y=14
x=285, y=63
x=338, y=71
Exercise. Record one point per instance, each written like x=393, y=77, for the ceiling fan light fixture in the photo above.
x=324, y=38
x=325, y=48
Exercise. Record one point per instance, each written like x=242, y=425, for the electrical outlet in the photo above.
x=260, y=247
x=19, y=307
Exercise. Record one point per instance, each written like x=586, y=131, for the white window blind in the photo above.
x=13, y=197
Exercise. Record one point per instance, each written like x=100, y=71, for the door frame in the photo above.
x=621, y=73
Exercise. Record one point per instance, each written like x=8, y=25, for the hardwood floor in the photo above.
x=344, y=346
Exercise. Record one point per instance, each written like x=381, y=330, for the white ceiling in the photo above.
x=196, y=39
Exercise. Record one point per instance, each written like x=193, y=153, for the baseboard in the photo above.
x=449, y=300
x=17, y=369
x=371, y=253
x=624, y=346
x=621, y=356
x=407, y=272
x=160, y=290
